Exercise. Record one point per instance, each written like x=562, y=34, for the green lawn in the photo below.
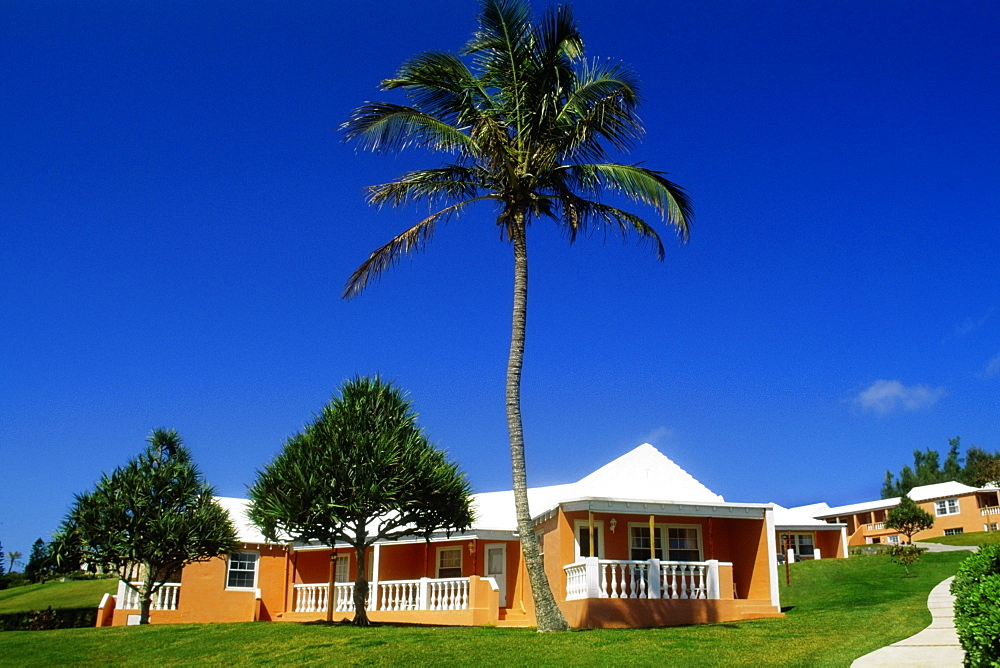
x=837, y=611
x=977, y=538
x=69, y=594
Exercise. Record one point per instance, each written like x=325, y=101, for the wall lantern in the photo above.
x=613, y=523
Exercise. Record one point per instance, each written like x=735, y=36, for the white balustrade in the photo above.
x=393, y=595
x=651, y=579
x=991, y=510
x=166, y=597
x=876, y=526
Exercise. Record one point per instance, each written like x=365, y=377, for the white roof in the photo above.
x=246, y=531
x=802, y=517
x=642, y=474
x=939, y=490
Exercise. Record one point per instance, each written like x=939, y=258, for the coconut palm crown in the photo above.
x=528, y=124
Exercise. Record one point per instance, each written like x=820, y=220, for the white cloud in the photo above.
x=887, y=396
x=992, y=369
x=657, y=435
x=970, y=325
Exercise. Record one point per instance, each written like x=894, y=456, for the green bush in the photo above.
x=44, y=620
x=977, y=614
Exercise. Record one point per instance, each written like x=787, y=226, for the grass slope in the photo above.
x=976, y=538
x=838, y=610
x=69, y=594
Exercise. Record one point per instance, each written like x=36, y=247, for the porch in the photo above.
x=469, y=601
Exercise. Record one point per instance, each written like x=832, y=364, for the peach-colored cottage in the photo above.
x=639, y=542
x=801, y=537
x=956, y=508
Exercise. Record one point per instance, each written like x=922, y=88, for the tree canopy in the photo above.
x=529, y=127
x=360, y=472
x=908, y=518
x=981, y=468
x=147, y=520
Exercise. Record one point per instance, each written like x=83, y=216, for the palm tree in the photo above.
x=528, y=128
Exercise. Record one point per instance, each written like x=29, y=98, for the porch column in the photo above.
x=593, y=578
x=373, y=585
x=712, y=586
x=653, y=584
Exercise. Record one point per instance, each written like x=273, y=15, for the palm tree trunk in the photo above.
x=547, y=613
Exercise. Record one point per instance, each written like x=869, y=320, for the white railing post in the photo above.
x=712, y=586
x=593, y=579
x=790, y=556
x=423, y=595
x=816, y=554
x=653, y=581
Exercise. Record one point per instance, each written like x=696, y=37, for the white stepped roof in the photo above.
x=939, y=490
x=246, y=531
x=642, y=474
x=802, y=517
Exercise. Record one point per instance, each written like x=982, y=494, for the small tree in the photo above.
x=362, y=471
x=147, y=520
x=905, y=556
x=15, y=558
x=908, y=518
x=39, y=562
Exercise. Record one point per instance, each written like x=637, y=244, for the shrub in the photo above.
x=44, y=620
x=977, y=616
x=905, y=556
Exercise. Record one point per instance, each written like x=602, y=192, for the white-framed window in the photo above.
x=892, y=540
x=802, y=544
x=342, y=569
x=582, y=539
x=946, y=507
x=994, y=527
x=682, y=541
x=449, y=562
x=242, y=570
x=954, y=532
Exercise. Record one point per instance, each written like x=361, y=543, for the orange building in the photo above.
x=956, y=508
x=801, y=537
x=639, y=542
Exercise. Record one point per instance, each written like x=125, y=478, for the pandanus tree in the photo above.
x=529, y=127
x=147, y=520
x=362, y=471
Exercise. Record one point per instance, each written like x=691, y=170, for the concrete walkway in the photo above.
x=936, y=646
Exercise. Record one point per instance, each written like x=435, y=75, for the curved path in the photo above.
x=936, y=646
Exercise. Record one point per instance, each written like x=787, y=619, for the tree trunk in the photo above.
x=361, y=591
x=548, y=614
x=331, y=585
x=146, y=595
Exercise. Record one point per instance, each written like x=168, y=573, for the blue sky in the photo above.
x=178, y=216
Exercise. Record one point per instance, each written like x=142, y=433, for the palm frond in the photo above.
x=580, y=217
x=410, y=241
x=441, y=85
x=384, y=127
x=453, y=182
x=641, y=185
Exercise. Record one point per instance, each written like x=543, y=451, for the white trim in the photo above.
x=662, y=529
x=229, y=570
x=947, y=507
x=773, y=555
x=598, y=532
x=437, y=560
x=501, y=586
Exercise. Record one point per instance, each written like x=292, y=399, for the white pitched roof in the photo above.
x=642, y=474
x=940, y=490
x=246, y=531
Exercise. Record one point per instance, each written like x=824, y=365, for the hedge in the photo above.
x=977, y=607
x=43, y=620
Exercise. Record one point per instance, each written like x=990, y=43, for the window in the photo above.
x=801, y=544
x=954, y=532
x=583, y=548
x=449, y=562
x=639, y=537
x=994, y=527
x=342, y=573
x=893, y=540
x=946, y=507
x=683, y=543
x=242, y=570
